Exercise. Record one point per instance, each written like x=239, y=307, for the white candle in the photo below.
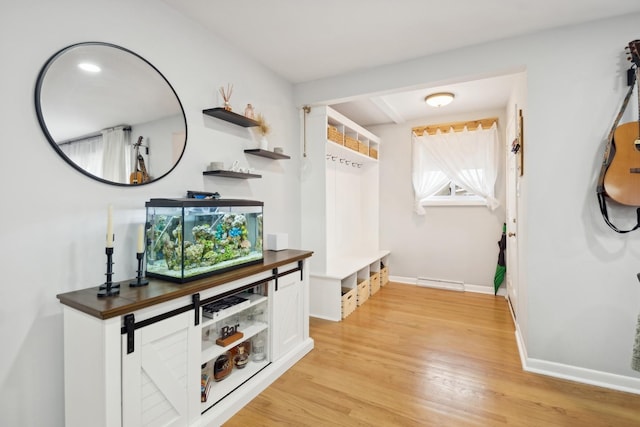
x=110, y=227
x=141, y=239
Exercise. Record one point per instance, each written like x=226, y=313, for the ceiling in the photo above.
x=304, y=40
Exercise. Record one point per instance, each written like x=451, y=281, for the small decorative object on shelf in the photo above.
x=222, y=367
x=263, y=129
x=215, y=166
x=205, y=382
x=248, y=112
x=241, y=359
x=258, y=350
x=226, y=95
x=140, y=281
x=109, y=288
x=229, y=334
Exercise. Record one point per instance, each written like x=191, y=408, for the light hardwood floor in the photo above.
x=414, y=356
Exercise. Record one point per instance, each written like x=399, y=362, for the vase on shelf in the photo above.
x=264, y=143
x=248, y=112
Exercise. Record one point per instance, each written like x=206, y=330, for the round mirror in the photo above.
x=110, y=114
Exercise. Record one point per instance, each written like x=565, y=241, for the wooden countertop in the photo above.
x=158, y=291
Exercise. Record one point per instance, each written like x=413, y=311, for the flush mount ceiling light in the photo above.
x=439, y=99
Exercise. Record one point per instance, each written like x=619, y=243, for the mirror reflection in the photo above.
x=110, y=114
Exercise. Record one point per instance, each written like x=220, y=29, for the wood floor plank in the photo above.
x=413, y=356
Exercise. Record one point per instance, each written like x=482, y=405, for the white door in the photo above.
x=512, y=191
x=287, y=314
x=161, y=377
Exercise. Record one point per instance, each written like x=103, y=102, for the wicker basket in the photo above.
x=334, y=135
x=384, y=276
x=351, y=143
x=363, y=148
x=374, y=280
x=364, y=291
x=373, y=153
x=348, y=301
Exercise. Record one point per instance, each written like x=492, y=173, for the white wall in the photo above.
x=447, y=243
x=54, y=218
x=582, y=295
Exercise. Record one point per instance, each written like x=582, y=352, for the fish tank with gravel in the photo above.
x=188, y=239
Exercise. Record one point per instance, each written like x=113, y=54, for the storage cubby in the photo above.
x=340, y=208
x=374, y=276
x=350, y=141
x=364, y=286
x=249, y=318
x=384, y=270
x=349, y=301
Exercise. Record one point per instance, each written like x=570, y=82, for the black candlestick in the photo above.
x=140, y=281
x=109, y=289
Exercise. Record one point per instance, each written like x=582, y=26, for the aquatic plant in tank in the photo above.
x=192, y=238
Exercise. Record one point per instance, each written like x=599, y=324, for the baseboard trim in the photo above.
x=575, y=373
x=450, y=286
x=583, y=375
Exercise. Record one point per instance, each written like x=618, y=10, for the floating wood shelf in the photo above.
x=231, y=174
x=266, y=153
x=230, y=116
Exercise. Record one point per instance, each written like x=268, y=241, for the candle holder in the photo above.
x=109, y=289
x=140, y=281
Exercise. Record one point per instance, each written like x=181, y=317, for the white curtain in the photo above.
x=86, y=153
x=469, y=159
x=116, y=162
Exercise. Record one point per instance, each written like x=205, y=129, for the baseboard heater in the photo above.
x=452, y=285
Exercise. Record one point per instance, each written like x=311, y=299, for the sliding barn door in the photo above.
x=161, y=377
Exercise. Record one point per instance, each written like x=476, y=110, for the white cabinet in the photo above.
x=160, y=374
x=288, y=311
x=137, y=359
x=340, y=206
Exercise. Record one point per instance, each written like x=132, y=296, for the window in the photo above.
x=455, y=168
x=453, y=194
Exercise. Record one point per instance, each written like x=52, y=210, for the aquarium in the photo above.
x=187, y=239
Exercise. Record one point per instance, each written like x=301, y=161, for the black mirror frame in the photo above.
x=43, y=126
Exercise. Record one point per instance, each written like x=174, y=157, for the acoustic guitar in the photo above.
x=622, y=178
x=139, y=175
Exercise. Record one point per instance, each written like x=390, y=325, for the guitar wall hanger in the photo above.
x=634, y=58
